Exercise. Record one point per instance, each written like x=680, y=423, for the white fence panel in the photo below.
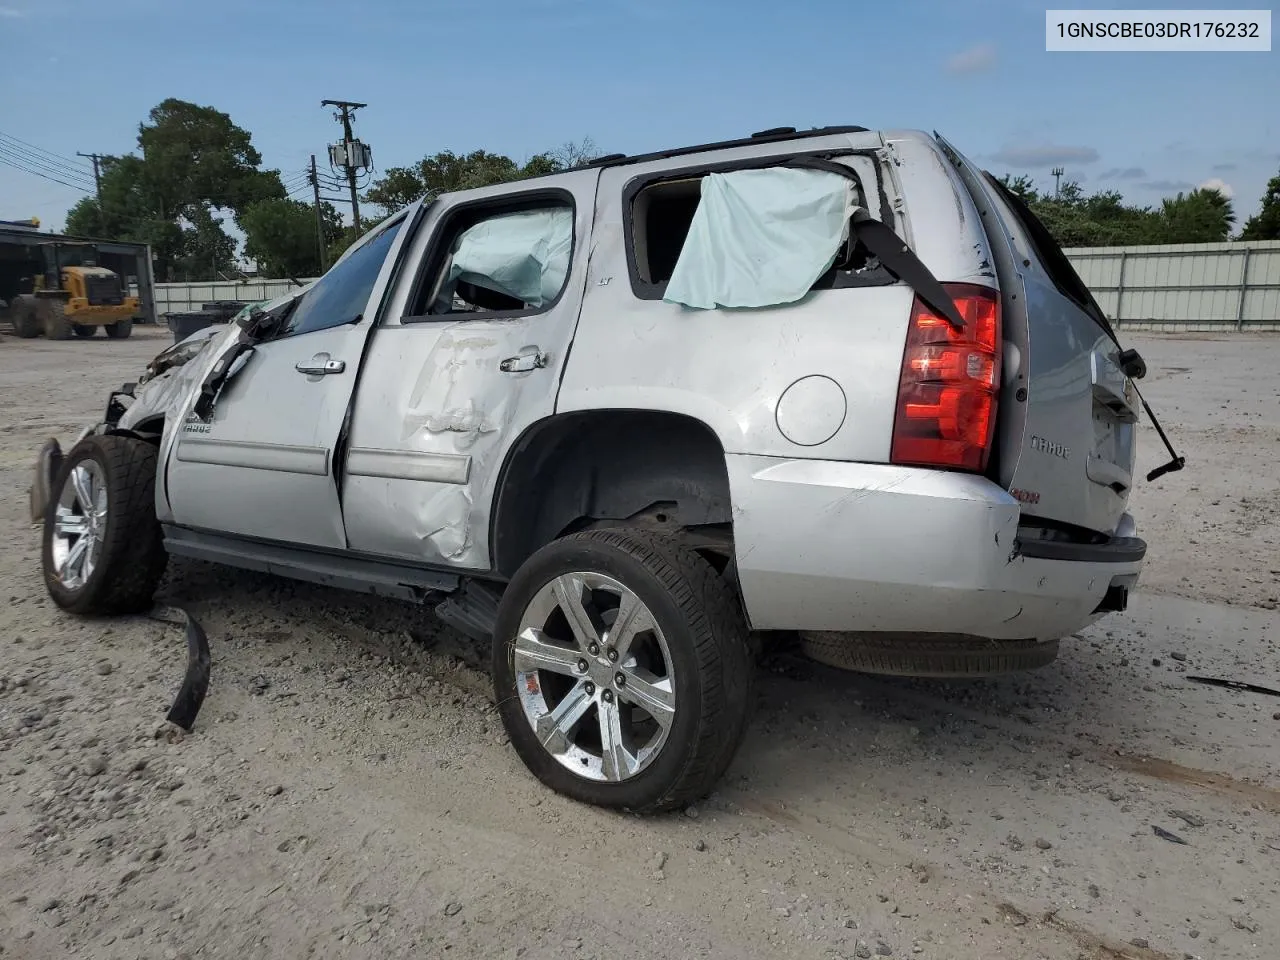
x=1188, y=286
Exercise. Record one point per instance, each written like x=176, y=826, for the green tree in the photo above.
x=1201, y=216
x=1023, y=186
x=1265, y=224
x=280, y=236
x=206, y=250
x=194, y=161
x=446, y=172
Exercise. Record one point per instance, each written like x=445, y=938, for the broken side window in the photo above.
x=747, y=238
x=506, y=261
x=761, y=237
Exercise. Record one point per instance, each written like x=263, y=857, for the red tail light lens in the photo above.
x=950, y=378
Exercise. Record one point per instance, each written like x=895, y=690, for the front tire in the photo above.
x=120, y=329
x=103, y=551
x=83, y=331
x=622, y=669
x=53, y=318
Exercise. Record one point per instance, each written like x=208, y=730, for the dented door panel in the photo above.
x=437, y=409
x=261, y=462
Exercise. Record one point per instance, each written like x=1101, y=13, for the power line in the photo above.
x=45, y=176
x=34, y=164
x=47, y=157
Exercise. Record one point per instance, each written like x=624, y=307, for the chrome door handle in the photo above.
x=523, y=363
x=320, y=365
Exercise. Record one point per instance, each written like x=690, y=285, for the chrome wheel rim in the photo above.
x=595, y=677
x=79, y=524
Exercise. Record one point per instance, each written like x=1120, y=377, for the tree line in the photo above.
x=1103, y=219
x=193, y=162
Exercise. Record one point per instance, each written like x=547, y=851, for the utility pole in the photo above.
x=97, y=178
x=1057, y=181
x=315, y=188
x=351, y=154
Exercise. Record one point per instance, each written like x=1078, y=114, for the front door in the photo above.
x=262, y=464
x=468, y=355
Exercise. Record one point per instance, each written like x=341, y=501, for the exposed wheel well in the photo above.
x=643, y=468
x=151, y=429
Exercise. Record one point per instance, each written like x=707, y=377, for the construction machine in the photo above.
x=66, y=293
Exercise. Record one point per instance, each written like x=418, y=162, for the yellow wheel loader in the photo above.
x=71, y=295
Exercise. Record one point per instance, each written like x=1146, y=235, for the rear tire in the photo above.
x=83, y=331
x=26, y=324
x=103, y=551
x=685, y=659
x=120, y=329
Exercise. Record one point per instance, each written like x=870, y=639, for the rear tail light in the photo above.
x=946, y=410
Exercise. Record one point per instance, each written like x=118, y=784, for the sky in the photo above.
x=524, y=76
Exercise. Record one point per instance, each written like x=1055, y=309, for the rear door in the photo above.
x=1068, y=421
x=262, y=465
x=469, y=354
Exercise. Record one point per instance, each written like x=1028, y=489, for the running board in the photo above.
x=342, y=570
x=472, y=610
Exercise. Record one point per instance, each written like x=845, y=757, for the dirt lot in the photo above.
x=348, y=793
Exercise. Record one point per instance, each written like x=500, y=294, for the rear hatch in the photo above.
x=1065, y=438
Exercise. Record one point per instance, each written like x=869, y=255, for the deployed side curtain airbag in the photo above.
x=761, y=237
x=522, y=255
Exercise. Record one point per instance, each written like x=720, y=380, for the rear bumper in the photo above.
x=828, y=546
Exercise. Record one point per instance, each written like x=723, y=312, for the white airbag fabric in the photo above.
x=761, y=237
x=523, y=255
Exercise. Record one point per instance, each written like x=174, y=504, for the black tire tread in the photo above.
x=720, y=633
x=133, y=557
x=26, y=324
x=916, y=656
x=53, y=318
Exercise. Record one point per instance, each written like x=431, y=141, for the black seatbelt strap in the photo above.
x=890, y=249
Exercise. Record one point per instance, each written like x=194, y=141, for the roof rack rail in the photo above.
x=764, y=136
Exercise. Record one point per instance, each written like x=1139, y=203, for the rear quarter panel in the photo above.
x=731, y=368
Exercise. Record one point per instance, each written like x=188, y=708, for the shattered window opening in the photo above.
x=662, y=212
x=499, y=261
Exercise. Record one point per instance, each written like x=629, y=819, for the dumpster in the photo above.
x=224, y=310
x=184, y=325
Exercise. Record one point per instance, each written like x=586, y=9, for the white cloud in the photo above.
x=1215, y=183
x=11, y=13
x=973, y=60
x=1123, y=173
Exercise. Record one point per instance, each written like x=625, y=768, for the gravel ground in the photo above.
x=348, y=792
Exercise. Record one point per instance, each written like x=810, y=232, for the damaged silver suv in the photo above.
x=632, y=420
